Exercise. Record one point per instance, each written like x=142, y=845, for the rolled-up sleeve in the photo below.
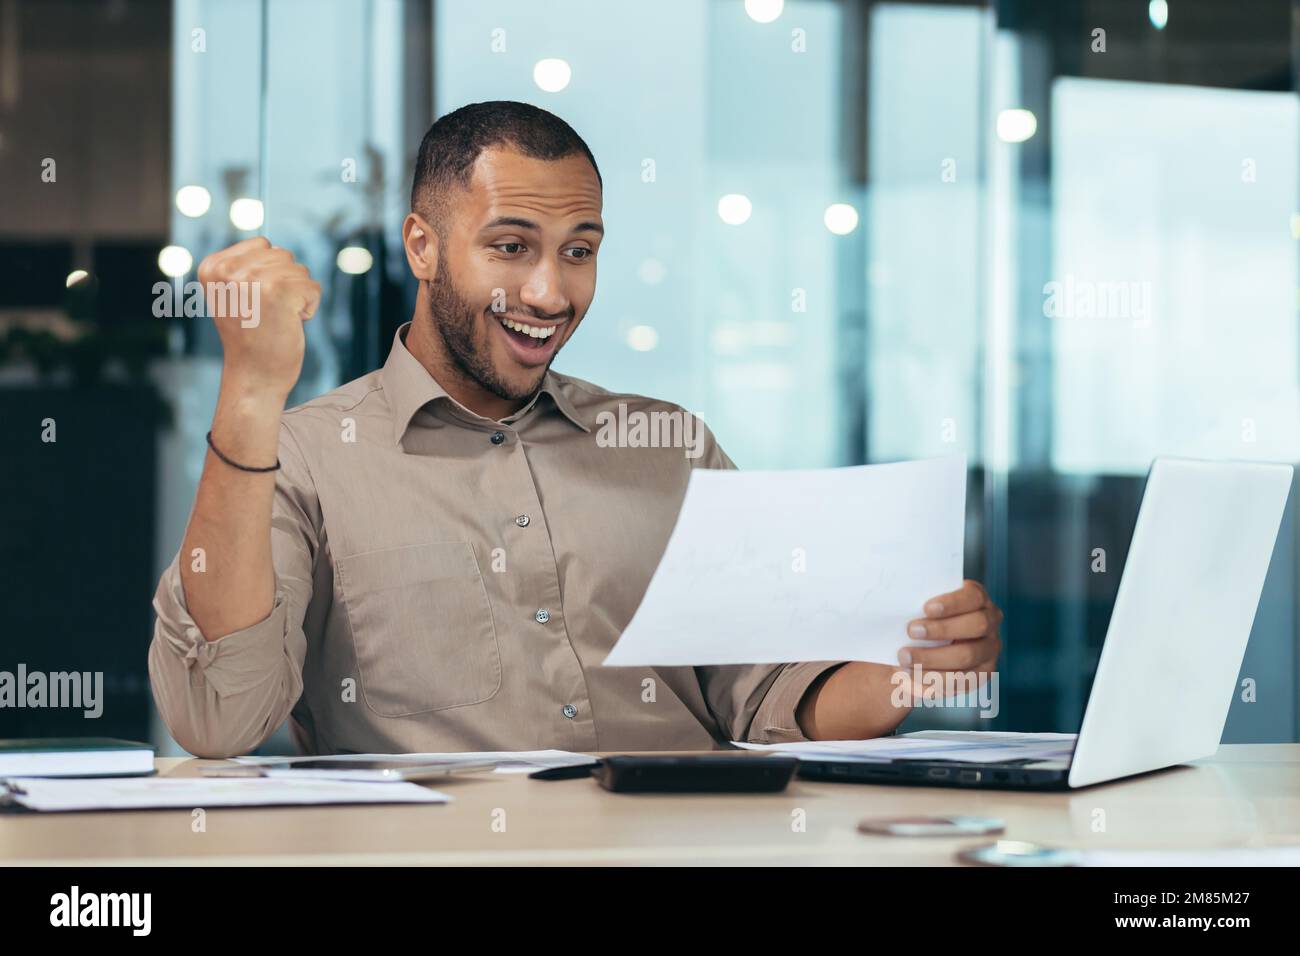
x=759, y=703
x=755, y=703
x=226, y=697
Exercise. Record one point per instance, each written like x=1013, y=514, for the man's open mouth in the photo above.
x=524, y=330
x=529, y=336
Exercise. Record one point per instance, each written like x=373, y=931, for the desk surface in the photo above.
x=1246, y=795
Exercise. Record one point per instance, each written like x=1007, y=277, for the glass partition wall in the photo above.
x=1056, y=237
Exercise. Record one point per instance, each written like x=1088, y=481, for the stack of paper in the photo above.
x=141, y=793
x=506, y=761
x=960, y=746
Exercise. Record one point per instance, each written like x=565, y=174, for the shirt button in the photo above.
x=498, y=437
x=542, y=615
x=570, y=711
x=522, y=521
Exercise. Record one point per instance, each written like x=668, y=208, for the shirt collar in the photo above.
x=409, y=387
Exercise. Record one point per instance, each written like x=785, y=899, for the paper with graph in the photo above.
x=823, y=565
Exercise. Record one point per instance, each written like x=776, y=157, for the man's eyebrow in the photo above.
x=522, y=223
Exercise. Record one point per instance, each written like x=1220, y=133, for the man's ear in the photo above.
x=421, y=244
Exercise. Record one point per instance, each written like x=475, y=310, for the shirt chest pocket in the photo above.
x=421, y=626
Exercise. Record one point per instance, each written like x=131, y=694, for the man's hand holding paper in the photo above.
x=827, y=565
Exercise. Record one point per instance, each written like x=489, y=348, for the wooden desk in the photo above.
x=1246, y=795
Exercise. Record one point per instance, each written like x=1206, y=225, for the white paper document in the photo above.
x=780, y=566
x=141, y=793
x=507, y=761
x=962, y=746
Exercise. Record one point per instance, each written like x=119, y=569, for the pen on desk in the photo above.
x=564, y=773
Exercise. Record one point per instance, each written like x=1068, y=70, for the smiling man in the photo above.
x=438, y=555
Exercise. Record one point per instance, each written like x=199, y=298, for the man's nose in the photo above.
x=544, y=291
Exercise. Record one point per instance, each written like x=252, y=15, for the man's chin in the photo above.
x=518, y=384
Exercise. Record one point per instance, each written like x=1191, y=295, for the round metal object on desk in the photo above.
x=1020, y=853
x=954, y=826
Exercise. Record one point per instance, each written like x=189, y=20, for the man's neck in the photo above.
x=423, y=345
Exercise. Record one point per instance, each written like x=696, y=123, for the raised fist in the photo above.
x=259, y=297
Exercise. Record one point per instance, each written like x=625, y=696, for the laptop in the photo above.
x=1169, y=664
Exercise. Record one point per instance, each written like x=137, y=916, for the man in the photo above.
x=438, y=555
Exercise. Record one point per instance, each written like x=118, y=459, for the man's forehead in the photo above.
x=504, y=180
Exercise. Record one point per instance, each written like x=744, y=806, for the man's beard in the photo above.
x=455, y=321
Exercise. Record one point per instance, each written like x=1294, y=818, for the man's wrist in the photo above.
x=854, y=701
x=251, y=398
x=246, y=424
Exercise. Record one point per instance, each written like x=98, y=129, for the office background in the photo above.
x=1058, y=236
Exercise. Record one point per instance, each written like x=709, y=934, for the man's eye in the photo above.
x=504, y=247
x=583, y=249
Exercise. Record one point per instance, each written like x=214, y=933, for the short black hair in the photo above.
x=453, y=144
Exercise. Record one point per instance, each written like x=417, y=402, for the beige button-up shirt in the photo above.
x=446, y=582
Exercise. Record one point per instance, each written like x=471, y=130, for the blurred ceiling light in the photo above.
x=354, y=260
x=75, y=276
x=841, y=218
x=764, y=11
x=247, y=214
x=193, y=201
x=552, y=75
x=1158, y=11
x=642, y=338
x=175, y=261
x=1016, y=126
x=651, y=271
x=735, y=209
